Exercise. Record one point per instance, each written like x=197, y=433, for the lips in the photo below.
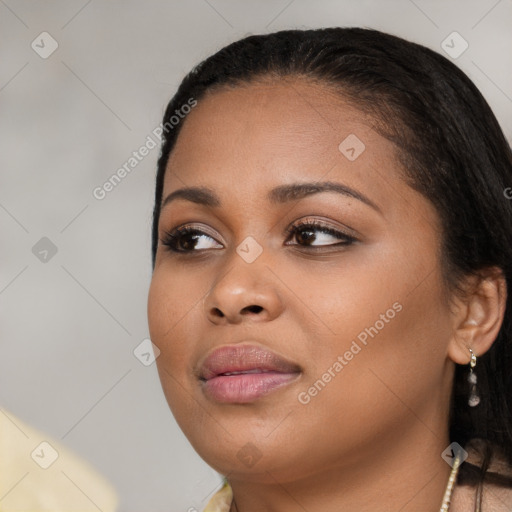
x=243, y=373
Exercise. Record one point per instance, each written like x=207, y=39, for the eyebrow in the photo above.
x=281, y=194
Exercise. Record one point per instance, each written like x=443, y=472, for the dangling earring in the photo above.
x=474, y=399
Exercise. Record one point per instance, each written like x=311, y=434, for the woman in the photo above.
x=332, y=248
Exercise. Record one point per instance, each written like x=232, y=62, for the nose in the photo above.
x=245, y=291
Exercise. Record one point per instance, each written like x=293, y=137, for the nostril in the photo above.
x=252, y=309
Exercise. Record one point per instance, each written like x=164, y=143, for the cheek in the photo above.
x=385, y=317
x=393, y=353
x=363, y=289
x=388, y=378
x=174, y=302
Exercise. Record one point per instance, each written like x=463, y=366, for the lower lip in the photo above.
x=244, y=388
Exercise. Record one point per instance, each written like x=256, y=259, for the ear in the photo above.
x=479, y=315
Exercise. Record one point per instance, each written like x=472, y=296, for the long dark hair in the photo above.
x=452, y=150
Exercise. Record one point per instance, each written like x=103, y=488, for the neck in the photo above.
x=406, y=474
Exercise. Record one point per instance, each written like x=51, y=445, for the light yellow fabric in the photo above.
x=68, y=484
x=221, y=500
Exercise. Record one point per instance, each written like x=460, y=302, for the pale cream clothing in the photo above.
x=221, y=500
x=495, y=499
x=39, y=474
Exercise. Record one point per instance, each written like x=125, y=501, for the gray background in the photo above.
x=68, y=122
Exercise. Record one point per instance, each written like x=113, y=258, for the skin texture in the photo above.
x=371, y=439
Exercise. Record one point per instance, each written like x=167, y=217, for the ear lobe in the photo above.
x=480, y=318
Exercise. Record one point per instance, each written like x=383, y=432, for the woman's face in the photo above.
x=334, y=337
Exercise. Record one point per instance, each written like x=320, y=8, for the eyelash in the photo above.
x=172, y=238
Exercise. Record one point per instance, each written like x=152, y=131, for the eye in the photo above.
x=317, y=234
x=188, y=239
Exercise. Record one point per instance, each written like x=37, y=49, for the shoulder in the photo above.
x=495, y=497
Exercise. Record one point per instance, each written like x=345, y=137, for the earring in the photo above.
x=474, y=399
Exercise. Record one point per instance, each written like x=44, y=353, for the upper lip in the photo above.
x=244, y=358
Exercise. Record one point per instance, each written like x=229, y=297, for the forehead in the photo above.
x=292, y=113
x=264, y=134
